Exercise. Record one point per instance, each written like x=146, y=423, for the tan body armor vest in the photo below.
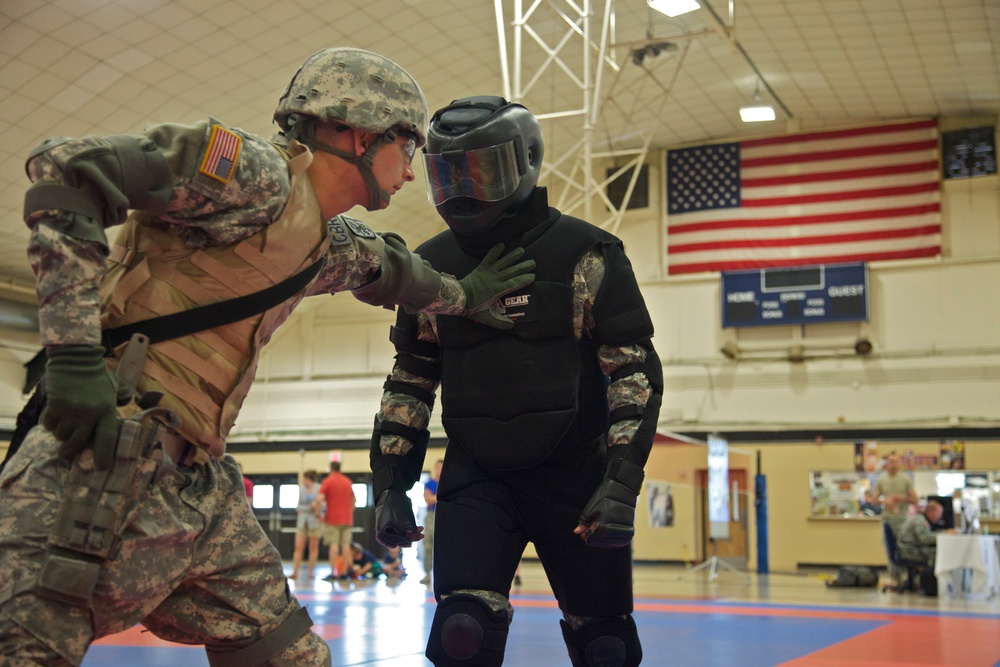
x=205, y=377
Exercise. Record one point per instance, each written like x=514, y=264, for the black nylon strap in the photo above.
x=267, y=647
x=627, y=370
x=430, y=370
x=213, y=315
x=417, y=436
x=626, y=412
x=44, y=196
x=404, y=342
x=409, y=390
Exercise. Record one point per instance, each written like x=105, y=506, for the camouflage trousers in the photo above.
x=194, y=566
x=896, y=573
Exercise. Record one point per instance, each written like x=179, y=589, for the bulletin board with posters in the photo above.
x=838, y=494
x=934, y=471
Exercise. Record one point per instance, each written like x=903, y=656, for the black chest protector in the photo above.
x=511, y=398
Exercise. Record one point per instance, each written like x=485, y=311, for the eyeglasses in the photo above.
x=409, y=148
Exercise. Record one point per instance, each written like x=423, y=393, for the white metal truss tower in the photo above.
x=556, y=64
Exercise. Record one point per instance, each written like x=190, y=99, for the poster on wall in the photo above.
x=866, y=456
x=910, y=460
x=952, y=455
x=834, y=494
x=718, y=488
x=661, y=504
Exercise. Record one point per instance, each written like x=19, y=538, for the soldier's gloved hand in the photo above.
x=394, y=522
x=81, y=404
x=494, y=277
x=393, y=235
x=608, y=519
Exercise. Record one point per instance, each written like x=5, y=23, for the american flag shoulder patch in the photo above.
x=223, y=149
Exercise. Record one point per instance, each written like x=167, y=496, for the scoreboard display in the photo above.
x=795, y=295
x=969, y=153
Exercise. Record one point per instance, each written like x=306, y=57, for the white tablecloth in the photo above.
x=968, y=565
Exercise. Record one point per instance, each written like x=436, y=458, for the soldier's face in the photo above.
x=393, y=165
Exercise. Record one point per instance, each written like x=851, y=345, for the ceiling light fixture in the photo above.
x=758, y=112
x=673, y=8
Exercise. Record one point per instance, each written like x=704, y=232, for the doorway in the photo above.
x=274, y=502
x=735, y=547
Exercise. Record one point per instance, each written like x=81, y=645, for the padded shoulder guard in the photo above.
x=620, y=315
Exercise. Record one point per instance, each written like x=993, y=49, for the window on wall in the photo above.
x=263, y=496
x=288, y=496
x=360, y=494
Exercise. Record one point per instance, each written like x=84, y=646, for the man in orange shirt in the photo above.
x=338, y=494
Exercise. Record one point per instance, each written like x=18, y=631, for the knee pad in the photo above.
x=467, y=632
x=605, y=642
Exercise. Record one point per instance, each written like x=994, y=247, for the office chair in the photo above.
x=913, y=568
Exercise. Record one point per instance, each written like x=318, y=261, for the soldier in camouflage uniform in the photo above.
x=216, y=213
x=549, y=423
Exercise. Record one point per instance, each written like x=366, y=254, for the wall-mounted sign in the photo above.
x=795, y=295
x=969, y=152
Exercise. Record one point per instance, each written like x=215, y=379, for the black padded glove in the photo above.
x=608, y=519
x=81, y=408
x=395, y=525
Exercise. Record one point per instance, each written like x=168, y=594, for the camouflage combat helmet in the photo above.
x=362, y=89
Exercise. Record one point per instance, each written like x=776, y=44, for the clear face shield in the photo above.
x=485, y=174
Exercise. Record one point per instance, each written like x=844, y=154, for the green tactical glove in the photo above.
x=491, y=279
x=81, y=404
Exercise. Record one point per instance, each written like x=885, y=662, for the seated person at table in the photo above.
x=916, y=540
x=870, y=506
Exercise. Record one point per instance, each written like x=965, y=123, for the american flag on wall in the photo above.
x=863, y=194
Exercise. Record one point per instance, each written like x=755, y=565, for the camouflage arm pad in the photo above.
x=646, y=415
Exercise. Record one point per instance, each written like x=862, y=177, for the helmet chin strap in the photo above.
x=376, y=195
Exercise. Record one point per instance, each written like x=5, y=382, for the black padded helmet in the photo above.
x=483, y=158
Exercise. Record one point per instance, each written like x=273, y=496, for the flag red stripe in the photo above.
x=798, y=158
x=914, y=253
x=224, y=146
x=806, y=219
x=842, y=196
x=839, y=134
x=823, y=197
x=839, y=175
x=807, y=240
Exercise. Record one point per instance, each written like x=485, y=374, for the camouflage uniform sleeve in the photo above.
x=353, y=259
x=450, y=300
x=632, y=389
x=379, y=270
x=210, y=183
x=407, y=409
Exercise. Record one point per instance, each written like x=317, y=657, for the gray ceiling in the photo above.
x=74, y=67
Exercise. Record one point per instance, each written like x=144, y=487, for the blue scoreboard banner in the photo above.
x=795, y=295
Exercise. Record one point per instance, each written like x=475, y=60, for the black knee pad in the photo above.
x=466, y=632
x=606, y=642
